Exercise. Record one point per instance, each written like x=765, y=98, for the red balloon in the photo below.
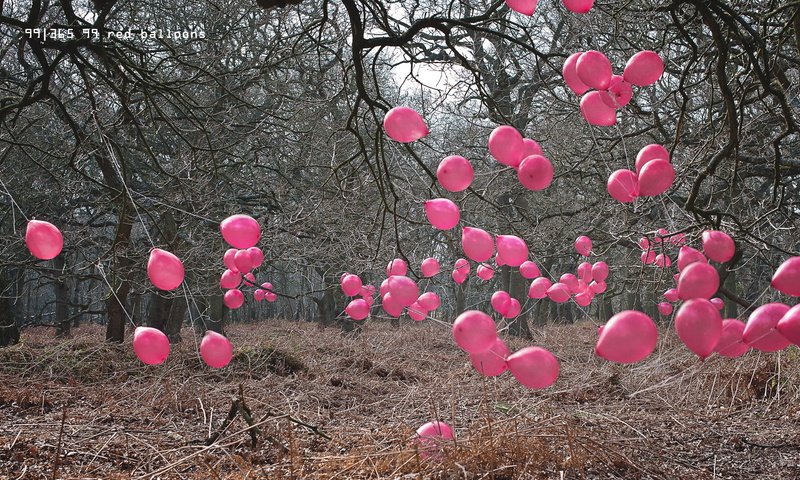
x=600, y=271
x=403, y=290
x=594, y=69
x=485, y=272
x=530, y=147
x=628, y=337
x=462, y=266
x=150, y=345
x=429, y=301
x=730, y=342
x=535, y=173
x=718, y=246
x=230, y=279
x=761, y=332
x=787, y=277
x=357, y=309
x=525, y=7
x=404, y=125
x=474, y=331
x=455, y=173
x=492, y=362
x=571, y=75
x=596, y=112
x=663, y=261
x=477, y=244
x=240, y=231
x=618, y=94
x=165, y=270
x=578, y=6
x=583, y=245
x=501, y=302
x=242, y=260
x=644, y=68
x=43, y=239
x=529, y=270
x=391, y=306
x=655, y=178
x=351, y=285
x=623, y=185
x=539, y=287
x=398, y=266
x=442, y=213
x=789, y=325
x=688, y=256
x=671, y=295
x=534, y=367
x=648, y=257
x=514, y=308
x=699, y=326
x=649, y=153
x=229, y=259
x=598, y=287
x=233, y=298
x=505, y=145
x=664, y=308
x=513, y=249
x=558, y=292
x=698, y=280
x=430, y=267
x=216, y=350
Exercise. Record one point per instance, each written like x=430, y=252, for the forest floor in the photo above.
x=328, y=405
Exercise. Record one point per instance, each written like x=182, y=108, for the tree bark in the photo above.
x=63, y=323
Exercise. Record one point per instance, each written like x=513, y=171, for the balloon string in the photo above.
x=113, y=292
x=13, y=204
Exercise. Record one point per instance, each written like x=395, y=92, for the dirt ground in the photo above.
x=327, y=406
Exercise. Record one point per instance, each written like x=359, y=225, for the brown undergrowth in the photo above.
x=325, y=405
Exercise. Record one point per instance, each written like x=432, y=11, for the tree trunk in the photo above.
x=120, y=274
x=9, y=331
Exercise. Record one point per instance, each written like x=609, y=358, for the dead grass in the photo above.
x=667, y=417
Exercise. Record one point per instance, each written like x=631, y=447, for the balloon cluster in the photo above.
x=653, y=176
x=591, y=70
x=507, y=146
x=476, y=333
x=698, y=321
x=243, y=233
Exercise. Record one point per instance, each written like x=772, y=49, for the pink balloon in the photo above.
x=598, y=287
x=618, y=94
x=357, y=309
x=649, y=153
x=583, y=245
x=514, y=308
x=571, y=75
x=529, y=270
x=458, y=276
x=404, y=125
x=530, y=147
x=229, y=259
x=366, y=291
x=403, y=289
x=250, y=279
x=462, y=266
x=271, y=296
x=442, y=213
x=761, y=332
x=664, y=308
x=150, y=345
x=600, y=271
x=644, y=68
x=730, y=342
x=698, y=280
x=474, y=331
x=655, y=178
x=498, y=260
x=584, y=299
x=570, y=281
x=644, y=243
x=230, y=279
x=398, y=266
x=485, y=272
x=477, y=244
x=513, y=249
x=585, y=272
x=594, y=69
x=671, y=295
x=351, y=285
x=505, y=145
x=259, y=295
x=578, y=6
x=699, y=326
x=242, y=261
x=164, y=269
x=256, y=257
x=539, y=287
x=718, y=303
x=663, y=261
x=787, y=277
x=688, y=256
x=267, y=286
x=534, y=367
x=596, y=112
x=628, y=337
x=455, y=173
x=416, y=312
x=216, y=350
x=558, y=293
x=501, y=302
x=384, y=288
x=525, y=7
x=623, y=185
x=43, y=239
x=429, y=301
x=718, y=246
x=789, y=325
x=240, y=231
x=432, y=436
x=233, y=298
x=535, y=172
x=391, y=306
x=492, y=362
x=430, y=267
x=648, y=257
